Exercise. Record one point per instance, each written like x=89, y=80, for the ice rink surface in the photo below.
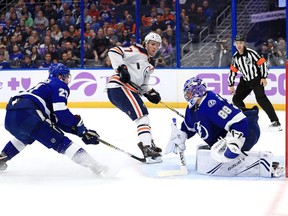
x=41, y=182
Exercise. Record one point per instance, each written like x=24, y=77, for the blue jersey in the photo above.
x=213, y=118
x=51, y=98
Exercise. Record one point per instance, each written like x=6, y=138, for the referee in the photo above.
x=254, y=73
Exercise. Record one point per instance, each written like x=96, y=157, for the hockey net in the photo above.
x=286, y=120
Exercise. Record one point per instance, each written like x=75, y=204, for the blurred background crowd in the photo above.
x=33, y=34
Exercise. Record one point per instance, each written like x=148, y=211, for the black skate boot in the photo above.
x=3, y=160
x=152, y=153
x=155, y=148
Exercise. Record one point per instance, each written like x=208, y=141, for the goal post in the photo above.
x=286, y=118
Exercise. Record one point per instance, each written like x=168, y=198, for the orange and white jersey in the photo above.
x=139, y=65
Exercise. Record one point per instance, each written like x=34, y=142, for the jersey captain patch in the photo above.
x=211, y=103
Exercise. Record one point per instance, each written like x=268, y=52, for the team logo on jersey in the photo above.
x=211, y=103
x=201, y=130
x=248, y=61
x=87, y=80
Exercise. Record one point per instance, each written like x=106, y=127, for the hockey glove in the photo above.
x=124, y=74
x=90, y=137
x=223, y=151
x=80, y=128
x=177, y=141
x=153, y=96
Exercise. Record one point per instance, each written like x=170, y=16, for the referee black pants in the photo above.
x=244, y=88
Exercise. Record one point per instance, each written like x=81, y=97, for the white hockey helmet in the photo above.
x=154, y=37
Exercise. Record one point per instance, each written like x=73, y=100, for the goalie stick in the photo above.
x=182, y=171
x=183, y=167
x=143, y=160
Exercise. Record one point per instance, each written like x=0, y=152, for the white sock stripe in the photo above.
x=18, y=144
x=71, y=150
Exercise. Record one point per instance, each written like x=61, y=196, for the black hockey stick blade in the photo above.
x=143, y=160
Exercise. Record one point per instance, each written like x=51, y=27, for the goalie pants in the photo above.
x=244, y=88
x=26, y=125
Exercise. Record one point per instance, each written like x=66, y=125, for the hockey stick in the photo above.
x=174, y=110
x=183, y=167
x=182, y=171
x=143, y=160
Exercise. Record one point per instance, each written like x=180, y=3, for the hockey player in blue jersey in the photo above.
x=227, y=131
x=41, y=114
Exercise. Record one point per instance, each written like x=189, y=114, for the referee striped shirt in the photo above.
x=250, y=64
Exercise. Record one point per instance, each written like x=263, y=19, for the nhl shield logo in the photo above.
x=248, y=61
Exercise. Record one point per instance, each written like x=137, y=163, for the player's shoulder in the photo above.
x=210, y=100
x=140, y=49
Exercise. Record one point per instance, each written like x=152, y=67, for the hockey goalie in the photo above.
x=229, y=134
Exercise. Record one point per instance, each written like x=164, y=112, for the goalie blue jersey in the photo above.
x=50, y=97
x=214, y=118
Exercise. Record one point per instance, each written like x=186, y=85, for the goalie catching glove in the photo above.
x=177, y=140
x=153, y=96
x=88, y=136
x=225, y=151
x=124, y=74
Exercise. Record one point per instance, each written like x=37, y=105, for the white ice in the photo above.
x=40, y=182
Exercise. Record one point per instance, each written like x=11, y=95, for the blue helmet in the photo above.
x=194, y=88
x=58, y=69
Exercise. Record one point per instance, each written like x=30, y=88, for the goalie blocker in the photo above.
x=255, y=164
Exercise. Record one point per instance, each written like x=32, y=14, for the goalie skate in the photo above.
x=277, y=170
x=152, y=153
x=3, y=160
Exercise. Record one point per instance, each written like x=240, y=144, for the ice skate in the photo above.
x=275, y=126
x=152, y=153
x=277, y=170
x=3, y=160
x=100, y=170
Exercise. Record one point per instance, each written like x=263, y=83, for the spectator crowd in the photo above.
x=34, y=34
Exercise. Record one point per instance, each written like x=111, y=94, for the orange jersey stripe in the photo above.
x=116, y=78
x=117, y=50
x=133, y=102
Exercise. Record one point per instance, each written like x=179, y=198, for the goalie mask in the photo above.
x=59, y=69
x=194, y=88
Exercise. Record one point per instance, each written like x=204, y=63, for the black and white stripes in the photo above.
x=250, y=64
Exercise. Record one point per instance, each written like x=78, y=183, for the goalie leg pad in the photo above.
x=256, y=164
